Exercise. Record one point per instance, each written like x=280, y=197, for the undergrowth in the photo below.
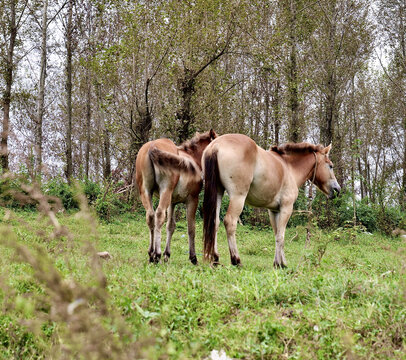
x=342, y=296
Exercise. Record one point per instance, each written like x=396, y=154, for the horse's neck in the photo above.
x=301, y=166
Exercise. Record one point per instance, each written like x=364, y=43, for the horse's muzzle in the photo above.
x=334, y=190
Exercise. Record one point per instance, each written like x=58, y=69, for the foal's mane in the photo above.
x=300, y=148
x=191, y=145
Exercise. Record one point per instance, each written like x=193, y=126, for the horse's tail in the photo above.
x=169, y=162
x=211, y=186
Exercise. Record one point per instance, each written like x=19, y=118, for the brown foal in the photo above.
x=174, y=173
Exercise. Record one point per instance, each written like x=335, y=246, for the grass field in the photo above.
x=344, y=296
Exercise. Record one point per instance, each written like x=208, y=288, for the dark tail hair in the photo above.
x=211, y=185
x=171, y=162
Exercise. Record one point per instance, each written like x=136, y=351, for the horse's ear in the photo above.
x=212, y=134
x=326, y=150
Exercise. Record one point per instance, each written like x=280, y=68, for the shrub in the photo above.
x=92, y=191
x=109, y=204
x=59, y=188
x=367, y=216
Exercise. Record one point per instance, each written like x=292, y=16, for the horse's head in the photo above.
x=197, y=144
x=324, y=177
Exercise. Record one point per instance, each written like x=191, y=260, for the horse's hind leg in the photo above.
x=170, y=228
x=191, y=207
x=146, y=199
x=165, y=198
x=230, y=221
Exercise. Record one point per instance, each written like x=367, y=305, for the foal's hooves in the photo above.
x=236, y=261
x=279, y=266
x=157, y=258
x=193, y=260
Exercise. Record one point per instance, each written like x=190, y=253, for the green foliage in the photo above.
x=108, y=204
x=342, y=294
x=92, y=190
x=15, y=340
x=340, y=212
x=59, y=188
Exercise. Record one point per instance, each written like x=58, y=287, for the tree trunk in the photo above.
x=69, y=35
x=403, y=190
x=88, y=120
x=107, y=156
x=266, y=124
x=8, y=77
x=184, y=114
x=327, y=127
x=294, y=126
x=276, y=112
x=41, y=90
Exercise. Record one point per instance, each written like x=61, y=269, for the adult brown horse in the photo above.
x=265, y=179
x=174, y=173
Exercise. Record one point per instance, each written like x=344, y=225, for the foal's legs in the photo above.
x=191, y=207
x=165, y=198
x=170, y=228
x=230, y=221
x=146, y=198
x=279, y=221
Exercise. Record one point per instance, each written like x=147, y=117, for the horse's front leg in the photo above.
x=191, y=207
x=279, y=221
x=170, y=228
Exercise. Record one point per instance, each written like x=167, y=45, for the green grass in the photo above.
x=341, y=297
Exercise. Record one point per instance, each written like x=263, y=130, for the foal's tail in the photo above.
x=167, y=161
x=211, y=185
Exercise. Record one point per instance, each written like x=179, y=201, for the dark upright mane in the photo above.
x=191, y=145
x=292, y=148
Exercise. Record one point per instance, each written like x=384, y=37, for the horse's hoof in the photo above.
x=151, y=259
x=157, y=258
x=193, y=260
x=279, y=266
x=166, y=257
x=236, y=261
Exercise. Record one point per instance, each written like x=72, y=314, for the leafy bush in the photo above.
x=109, y=204
x=367, y=216
x=59, y=188
x=92, y=190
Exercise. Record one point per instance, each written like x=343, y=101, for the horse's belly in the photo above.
x=184, y=189
x=262, y=199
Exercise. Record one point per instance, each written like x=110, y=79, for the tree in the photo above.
x=340, y=46
x=393, y=28
x=12, y=12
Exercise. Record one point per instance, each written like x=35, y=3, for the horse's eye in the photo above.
x=331, y=167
